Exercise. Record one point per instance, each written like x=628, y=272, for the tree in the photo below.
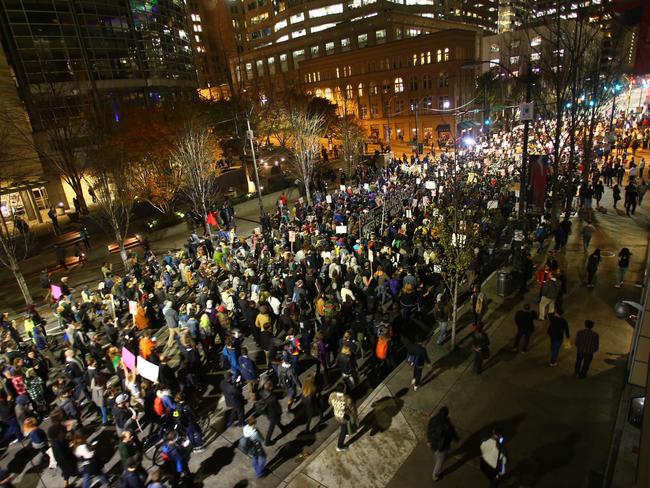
x=307, y=129
x=194, y=155
x=352, y=137
x=273, y=121
x=14, y=245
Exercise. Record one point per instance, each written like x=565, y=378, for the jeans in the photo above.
x=88, y=477
x=442, y=333
x=525, y=339
x=555, y=350
x=13, y=430
x=195, y=435
x=441, y=457
x=273, y=421
x=621, y=273
x=258, y=461
x=236, y=413
x=583, y=361
x=585, y=243
x=342, y=433
x=478, y=361
x=104, y=411
x=417, y=374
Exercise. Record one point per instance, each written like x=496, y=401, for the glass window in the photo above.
x=398, y=32
x=349, y=91
x=385, y=87
x=362, y=40
x=284, y=63
x=373, y=88
x=322, y=27
x=298, y=33
x=535, y=56
x=446, y=54
x=249, y=71
x=328, y=93
x=360, y=89
x=260, y=68
x=329, y=10
x=363, y=111
x=338, y=73
x=373, y=111
x=514, y=59
x=298, y=56
x=380, y=36
x=536, y=41
x=271, y=64
x=413, y=83
x=280, y=25
x=399, y=85
x=439, y=55
x=314, y=51
x=329, y=47
x=297, y=18
x=345, y=44
x=282, y=38
x=415, y=60
x=428, y=57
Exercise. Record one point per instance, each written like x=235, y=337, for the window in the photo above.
x=284, y=63
x=360, y=89
x=423, y=58
x=443, y=80
x=398, y=32
x=349, y=92
x=439, y=55
x=329, y=48
x=260, y=18
x=337, y=92
x=385, y=87
x=271, y=64
x=399, y=85
x=198, y=28
x=494, y=48
x=428, y=57
x=412, y=103
x=426, y=82
x=535, y=56
x=380, y=36
x=399, y=106
x=536, y=41
x=329, y=10
x=197, y=38
x=280, y=25
x=314, y=51
x=298, y=56
x=373, y=88
x=363, y=111
x=373, y=111
x=328, y=93
x=249, y=71
x=413, y=83
x=260, y=68
x=297, y=18
x=347, y=70
x=362, y=40
x=413, y=32
x=298, y=33
x=282, y=38
x=415, y=60
x=514, y=59
x=338, y=73
x=345, y=44
x=322, y=27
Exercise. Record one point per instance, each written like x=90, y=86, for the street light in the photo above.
x=249, y=134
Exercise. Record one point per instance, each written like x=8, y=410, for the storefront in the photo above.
x=25, y=199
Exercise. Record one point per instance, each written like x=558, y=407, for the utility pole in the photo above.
x=523, y=185
x=249, y=134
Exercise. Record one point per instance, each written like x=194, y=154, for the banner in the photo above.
x=147, y=369
x=128, y=358
x=537, y=183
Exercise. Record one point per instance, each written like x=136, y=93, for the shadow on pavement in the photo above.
x=545, y=459
x=211, y=466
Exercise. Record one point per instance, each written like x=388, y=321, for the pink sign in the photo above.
x=56, y=291
x=128, y=358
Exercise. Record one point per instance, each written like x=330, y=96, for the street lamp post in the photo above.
x=249, y=134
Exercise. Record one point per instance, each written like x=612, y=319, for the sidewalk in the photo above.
x=558, y=428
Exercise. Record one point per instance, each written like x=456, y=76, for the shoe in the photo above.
x=617, y=285
x=198, y=449
x=415, y=387
x=341, y=449
x=413, y=381
x=552, y=364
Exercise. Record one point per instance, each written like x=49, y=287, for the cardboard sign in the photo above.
x=409, y=214
x=417, y=181
x=128, y=358
x=341, y=229
x=366, y=186
x=133, y=307
x=430, y=185
x=56, y=291
x=371, y=256
x=292, y=236
x=147, y=369
x=492, y=204
x=328, y=199
x=342, y=187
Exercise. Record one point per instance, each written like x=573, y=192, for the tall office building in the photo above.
x=67, y=52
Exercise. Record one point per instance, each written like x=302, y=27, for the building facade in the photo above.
x=400, y=90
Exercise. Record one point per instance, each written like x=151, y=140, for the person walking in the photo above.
x=440, y=434
x=311, y=401
x=623, y=264
x=550, y=292
x=558, y=328
x=593, y=261
x=416, y=357
x=89, y=463
x=480, y=347
x=55, y=220
x=234, y=400
x=587, y=233
x=525, y=321
x=270, y=406
x=587, y=343
x=252, y=440
x=442, y=312
x=616, y=194
x=345, y=413
x=493, y=457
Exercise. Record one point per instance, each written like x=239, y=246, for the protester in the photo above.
x=587, y=344
x=440, y=434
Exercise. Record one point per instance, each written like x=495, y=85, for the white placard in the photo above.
x=342, y=187
x=292, y=236
x=328, y=199
x=341, y=229
x=147, y=369
x=417, y=181
x=430, y=185
x=492, y=204
x=133, y=307
x=409, y=214
x=371, y=256
x=366, y=186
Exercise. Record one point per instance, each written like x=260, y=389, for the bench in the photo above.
x=129, y=243
x=67, y=239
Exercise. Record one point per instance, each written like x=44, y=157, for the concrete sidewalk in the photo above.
x=558, y=428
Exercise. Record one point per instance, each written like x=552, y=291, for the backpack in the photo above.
x=381, y=351
x=159, y=407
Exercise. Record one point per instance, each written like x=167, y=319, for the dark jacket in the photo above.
x=247, y=368
x=232, y=394
x=440, y=433
x=134, y=479
x=525, y=321
x=418, y=355
x=272, y=407
x=557, y=328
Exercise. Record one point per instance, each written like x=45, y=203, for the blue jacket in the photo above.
x=231, y=356
x=247, y=368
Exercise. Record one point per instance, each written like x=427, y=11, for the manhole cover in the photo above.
x=607, y=254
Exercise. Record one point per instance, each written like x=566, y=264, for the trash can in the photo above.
x=503, y=283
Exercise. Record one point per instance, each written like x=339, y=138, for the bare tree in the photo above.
x=14, y=244
x=307, y=130
x=194, y=154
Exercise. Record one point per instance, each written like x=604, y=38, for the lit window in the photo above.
x=415, y=60
x=280, y=25
x=536, y=41
x=284, y=63
x=322, y=27
x=349, y=91
x=249, y=71
x=329, y=10
x=271, y=64
x=329, y=47
x=535, y=56
x=446, y=56
x=282, y=38
x=422, y=58
x=297, y=18
x=399, y=85
x=298, y=33
x=197, y=38
x=345, y=44
x=198, y=28
x=314, y=51
x=494, y=48
x=380, y=36
x=373, y=88
x=338, y=73
x=385, y=87
x=439, y=55
x=514, y=59
x=428, y=57
x=362, y=40
x=360, y=89
x=328, y=93
x=260, y=68
x=363, y=112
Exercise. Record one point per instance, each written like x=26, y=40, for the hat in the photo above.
x=221, y=308
x=122, y=398
x=299, y=283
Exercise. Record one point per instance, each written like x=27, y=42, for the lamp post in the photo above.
x=417, y=124
x=249, y=134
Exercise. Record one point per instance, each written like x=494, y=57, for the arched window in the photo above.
x=319, y=93
x=439, y=55
x=399, y=85
x=415, y=60
x=428, y=57
x=360, y=89
x=446, y=57
x=349, y=92
x=337, y=93
x=422, y=58
x=328, y=93
x=385, y=86
x=374, y=90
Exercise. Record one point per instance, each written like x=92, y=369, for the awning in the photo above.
x=444, y=128
x=468, y=124
x=23, y=185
